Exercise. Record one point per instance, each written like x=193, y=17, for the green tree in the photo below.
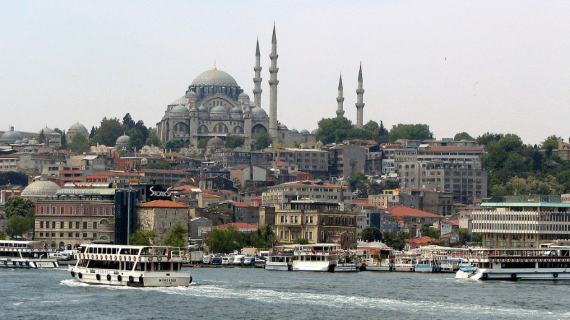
x=17, y=225
x=42, y=137
x=463, y=136
x=392, y=184
x=162, y=165
x=371, y=234
x=410, y=132
x=262, y=140
x=136, y=140
x=488, y=137
x=2, y=235
x=430, y=232
x=128, y=121
x=234, y=141
x=57, y=130
x=301, y=241
x=176, y=237
x=108, y=133
x=63, y=140
x=18, y=206
x=397, y=240
x=203, y=143
x=142, y=238
x=334, y=130
x=153, y=139
x=225, y=240
x=357, y=181
x=173, y=144
x=551, y=142
x=79, y=144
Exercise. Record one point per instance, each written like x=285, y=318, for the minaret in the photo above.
x=340, y=99
x=273, y=87
x=359, y=103
x=257, y=79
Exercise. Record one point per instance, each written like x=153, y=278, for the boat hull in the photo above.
x=130, y=278
x=316, y=266
x=277, y=266
x=28, y=263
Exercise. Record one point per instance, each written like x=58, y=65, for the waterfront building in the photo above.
x=315, y=190
x=522, y=221
x=75, y=216
x=316, y=221
x=411, y=220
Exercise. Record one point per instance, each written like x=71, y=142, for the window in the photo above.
x=70, y=235
x=70, y=225
x=53, y=226
x=70, y=210
x=107, y=211
x=47, y=210
x=53, y=210
x=94, y=236
x=85, y=235
x=77, y=211
x=61, y=210
x=77, y=234
x=41, y=210
x=100, y=210
x=86, y=211
x=61, y=224
x=95, y=211
x=95, y=225
x=61, y=234
x=41, y=224
x=85, y=225
x=77, y=226
x=41, y=234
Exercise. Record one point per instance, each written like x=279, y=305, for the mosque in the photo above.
x=215, y=106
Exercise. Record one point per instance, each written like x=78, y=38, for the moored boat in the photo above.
x=279, y=261
x=316, y=257
x=138, y=266
x=25, y=254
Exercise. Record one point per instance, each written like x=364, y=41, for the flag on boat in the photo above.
x=169, y=256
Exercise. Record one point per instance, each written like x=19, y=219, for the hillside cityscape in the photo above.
x=217, y=162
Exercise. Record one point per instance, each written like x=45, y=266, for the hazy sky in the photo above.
x=474, y=66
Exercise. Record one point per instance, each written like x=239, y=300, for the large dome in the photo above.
x=123, y=140
x=12, y=135
x=78, y=128
x=215, y=78
x=46, y=130
x=39, y=189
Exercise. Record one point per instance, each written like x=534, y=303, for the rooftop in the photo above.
x=410, y=212
x=163, y=204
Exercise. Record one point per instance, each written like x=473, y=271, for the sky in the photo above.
x=473, y=66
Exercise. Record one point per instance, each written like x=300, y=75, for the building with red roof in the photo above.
x=240, y=226
x=306, y=190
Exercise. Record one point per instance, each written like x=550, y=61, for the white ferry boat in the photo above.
x=425, y=265
x=25, y=254
x=405, y=263
x=137, y=266
x=380, y=260
x=349, y=262
x=316, y=257
x=552, y=263
x=279, y=262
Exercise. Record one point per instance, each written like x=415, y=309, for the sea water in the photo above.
x=248, y=293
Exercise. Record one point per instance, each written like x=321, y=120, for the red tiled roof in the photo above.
x=111, y=173
x=239, y=225
x=240, y=204
x=283, y=163
x=423, y=240
x=311, y=183
x=10, y=156
x=410, y=212
x=163, y=204
x=282, y=150
x=257, y=198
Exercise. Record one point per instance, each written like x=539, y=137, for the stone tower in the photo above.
x=359, y=101
x=257, y=79
x=273, y=87
x=340, y=99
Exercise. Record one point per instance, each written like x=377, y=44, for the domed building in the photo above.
x=215, y=106
x=77, y=128
x=11, y=136
x=40, y=189
x=122, y=142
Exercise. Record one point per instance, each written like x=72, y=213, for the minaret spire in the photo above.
x=257, y=80
x=359, y=101
x=273, y=87
x=340, y=99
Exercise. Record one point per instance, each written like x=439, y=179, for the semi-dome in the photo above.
x=215, y=77
x=46, y=130
x=215, y=142
x=202, y=109
x=123, y=140
x=236, y=110
x=315, y=131
x=243, y=96
x=282, y=127
x=219, y=109
x=294, y=130
x=40, y=189
x=77, y=127
x=180, y=101
x=179, y=108
x=305, y=132
x=258, y=110
x=12, y=135
x=33, y=142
